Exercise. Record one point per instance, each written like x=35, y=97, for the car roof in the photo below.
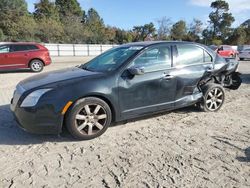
x=22, y=43
x=152, y=43
x=149, y=43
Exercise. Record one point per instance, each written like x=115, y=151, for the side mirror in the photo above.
x=137, y=70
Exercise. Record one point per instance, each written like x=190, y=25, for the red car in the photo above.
x=23, y=55
x=227, y=51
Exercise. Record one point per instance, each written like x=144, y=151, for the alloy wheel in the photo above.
x=36, y=66
x=214, y=99
x=91, y=119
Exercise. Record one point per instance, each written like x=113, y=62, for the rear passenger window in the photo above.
x=18, y=48
x=32, y=47
x=4, y=49
x=190, y=55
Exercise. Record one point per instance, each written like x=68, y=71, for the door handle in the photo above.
x=168, y=77
x=25, y=54
x=6, y=56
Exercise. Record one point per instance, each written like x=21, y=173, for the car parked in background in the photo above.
x=128, y=81
x=227, y=51
x=244, y=52
x=22, y=55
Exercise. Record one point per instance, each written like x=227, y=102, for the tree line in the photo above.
x=64, y=21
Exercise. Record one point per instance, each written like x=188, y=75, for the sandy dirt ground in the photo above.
x=184, y=148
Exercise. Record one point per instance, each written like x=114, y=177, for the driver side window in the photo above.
x=154, y=59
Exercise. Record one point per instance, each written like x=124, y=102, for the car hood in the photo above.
x=55, y=76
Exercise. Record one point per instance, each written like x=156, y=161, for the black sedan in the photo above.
x=126, y=82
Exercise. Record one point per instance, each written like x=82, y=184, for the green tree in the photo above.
x=144, y=32
x=11, y=12
x=110, y=34
x=165, y=25
x=75, y=32
x=95, y=26
x=21, y=29
x=50, y=31
x=94, y=17
x=46, y=9
x=207, y=36
x=71, y=16
x=69, y=8
x=50, y=28
x=179, y=30
x=195, y=31
x=26, y=28
x=122, y=36
x=246, y=26
x=1, y=35
x=238, y=37
x=19, y=7
x=220, y=20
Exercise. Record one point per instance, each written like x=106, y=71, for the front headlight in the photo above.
x=33, y=98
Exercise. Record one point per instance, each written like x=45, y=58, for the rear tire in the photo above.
x=88, y=118
x=241, y=59
x=213, y=97
x=36, y=65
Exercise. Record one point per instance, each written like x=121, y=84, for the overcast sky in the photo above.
x=128, y=13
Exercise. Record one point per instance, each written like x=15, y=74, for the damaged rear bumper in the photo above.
x=233, y=81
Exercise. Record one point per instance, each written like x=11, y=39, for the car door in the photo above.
x=18, y=56
x=190, y=64
x=4, y=51
x=152, y=91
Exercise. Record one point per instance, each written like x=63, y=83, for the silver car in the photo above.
x=244, y=54
x=243, y=51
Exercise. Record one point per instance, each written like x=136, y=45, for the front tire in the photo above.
x=36, y=65
x=213, y=97
x=88, y=118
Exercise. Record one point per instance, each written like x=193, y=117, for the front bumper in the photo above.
x=48, y=62
x=38, y=120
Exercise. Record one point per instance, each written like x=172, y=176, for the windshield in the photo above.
x=111, y=59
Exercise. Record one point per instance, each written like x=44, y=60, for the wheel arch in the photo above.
x=99, y=96
x=205, y=90
x=208, y=80
x=108, y=101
